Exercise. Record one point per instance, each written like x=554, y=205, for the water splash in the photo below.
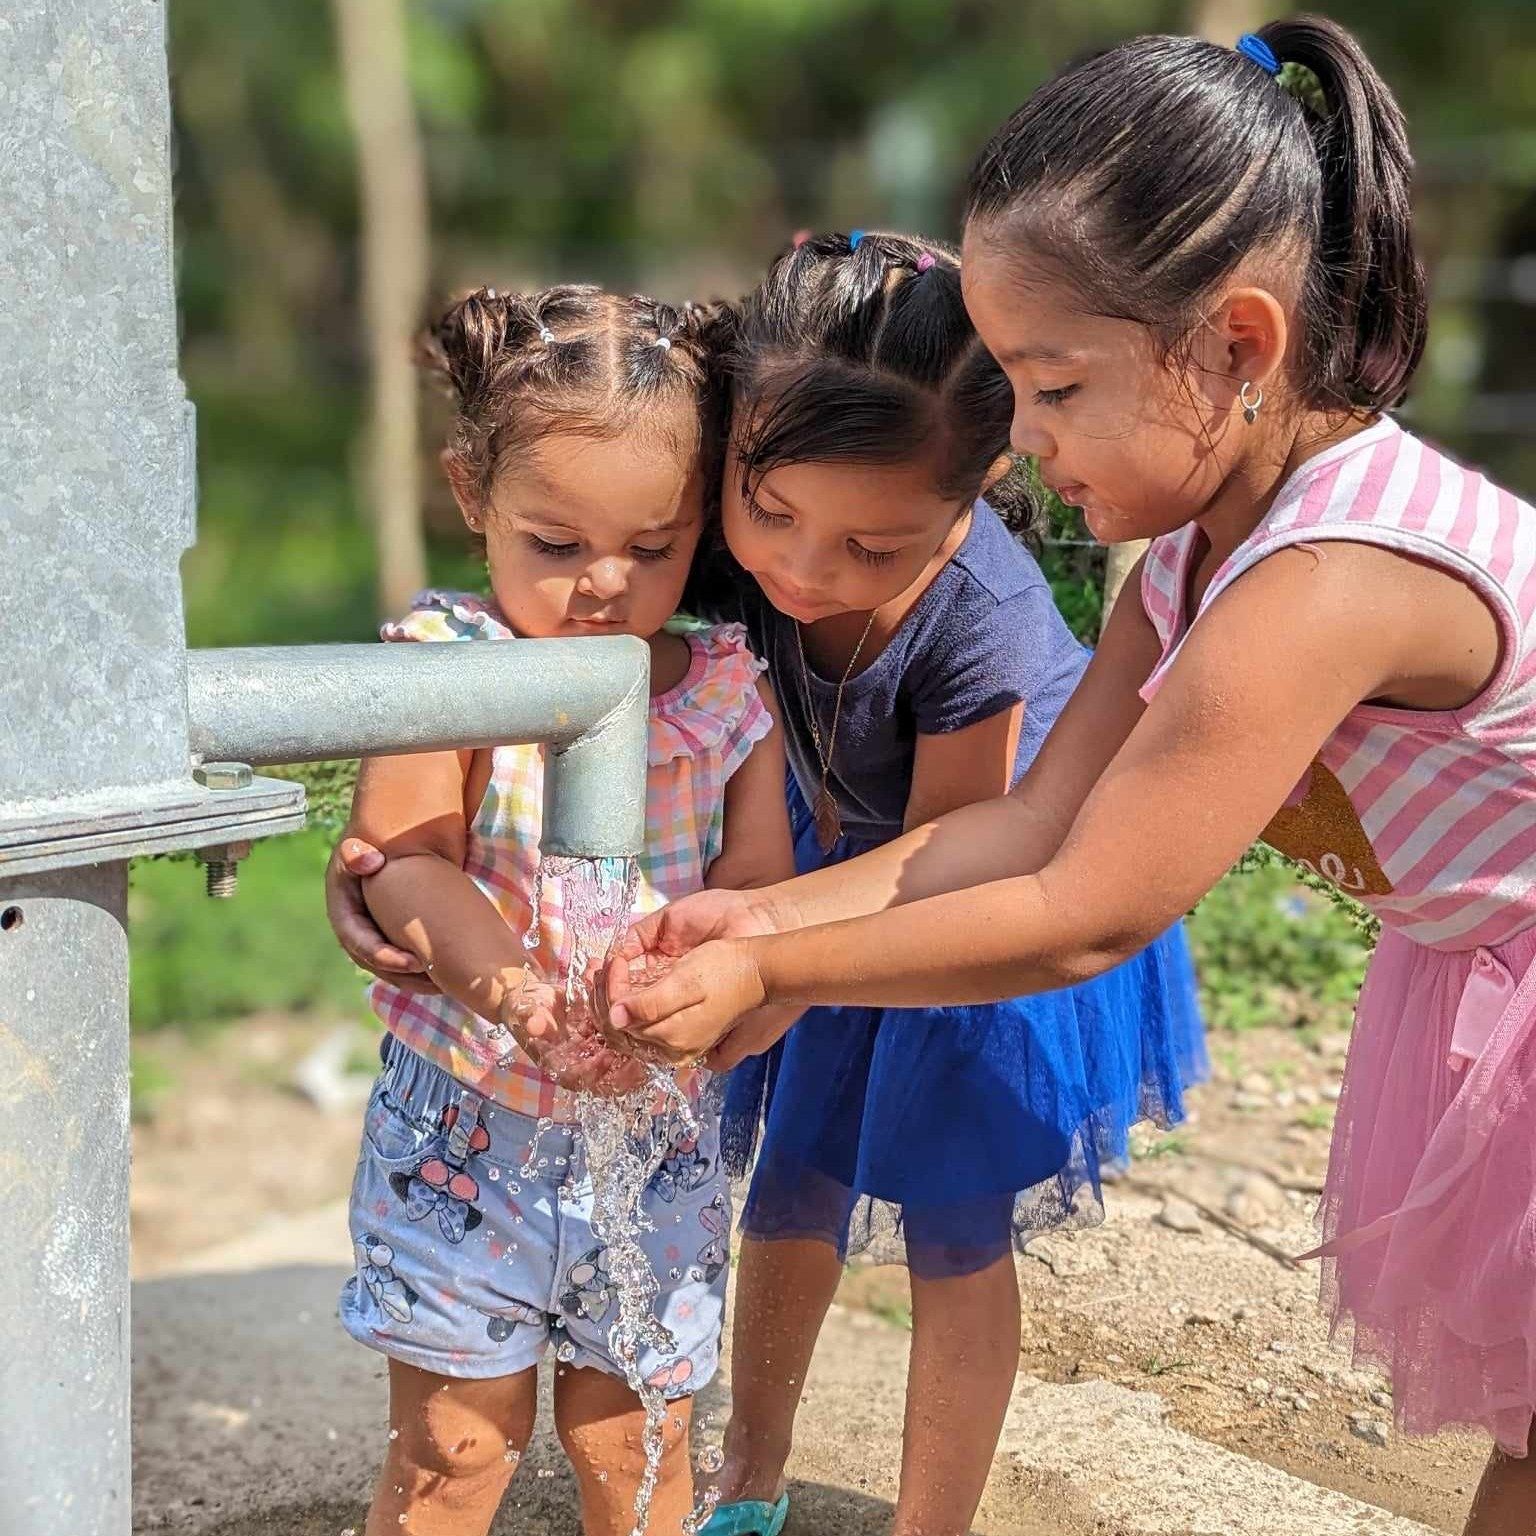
x=625, y=1136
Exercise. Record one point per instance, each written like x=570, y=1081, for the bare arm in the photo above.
x=1262, y=681
x=1014, y=833
x=755, y=849
x=412, y=809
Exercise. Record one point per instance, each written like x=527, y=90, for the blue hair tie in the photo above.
x=1252, y=46
x=853, y=239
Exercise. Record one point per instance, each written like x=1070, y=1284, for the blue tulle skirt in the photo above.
x=942, y=1138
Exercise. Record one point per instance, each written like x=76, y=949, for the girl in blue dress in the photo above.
x=919, y=662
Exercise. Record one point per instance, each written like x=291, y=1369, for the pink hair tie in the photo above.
x=926, y=260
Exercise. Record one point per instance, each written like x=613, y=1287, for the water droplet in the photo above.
x=493, y=1174
x=676, y=1274
x=402, y=1519
x=394, y=1434
x=602, y=1477
x=546, y=1471
x=566, y=1351
x=711, y=1459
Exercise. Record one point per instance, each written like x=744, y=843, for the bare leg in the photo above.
x=457, y=1444
x=965, y=1355
x=602, y=1426
x=1505, y=1502
x=783, y=1289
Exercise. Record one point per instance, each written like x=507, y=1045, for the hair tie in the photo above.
x=546, y=335
x=1253, y=47
x=664, y=342
x=926, y=260
x=853, y=239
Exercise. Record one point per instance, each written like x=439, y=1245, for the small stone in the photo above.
x=1331, y=1092
x=1180, y=1216
x=1382, y=1400
x=1202, y=1319
x=1373, y=1431
x=1114, y=1359
x=1334, y=1047
x=1285, y=1099
x=1254, y=1082
x=1281, y=1347
x=1306, y=1096
x=1250, y=1101
x=1260, y=1386
x=1177, y=1308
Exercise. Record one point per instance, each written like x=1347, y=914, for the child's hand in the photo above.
x=690, y=1008
x=570, y=1050
x=353, y=925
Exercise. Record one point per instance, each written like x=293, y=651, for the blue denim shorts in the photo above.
x=472, y=1258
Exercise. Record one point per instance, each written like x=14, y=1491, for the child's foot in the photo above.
x=741, y=1478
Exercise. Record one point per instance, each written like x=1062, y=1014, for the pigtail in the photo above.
x=1371, y=302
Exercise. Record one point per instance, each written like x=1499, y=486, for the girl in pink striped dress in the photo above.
x=1196, y=266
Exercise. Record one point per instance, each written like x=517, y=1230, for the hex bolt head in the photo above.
x=223, y=775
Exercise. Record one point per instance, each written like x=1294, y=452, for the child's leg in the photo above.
x=783, y=1289
x=456, y=1443
x=965, y=1355
x=1505, y=1502
x=601, y=1424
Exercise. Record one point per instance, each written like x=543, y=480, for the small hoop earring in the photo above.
x=1250, y=407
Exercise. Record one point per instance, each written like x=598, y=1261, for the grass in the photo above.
x=897, y=1313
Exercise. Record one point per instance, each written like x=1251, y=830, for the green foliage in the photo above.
x=195, y=960
x=1270, y=951
x=328, y=790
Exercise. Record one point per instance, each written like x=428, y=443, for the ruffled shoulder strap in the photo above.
x=716, y=707
x=449, y=616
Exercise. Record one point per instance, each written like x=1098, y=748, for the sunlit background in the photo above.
x=333, y=176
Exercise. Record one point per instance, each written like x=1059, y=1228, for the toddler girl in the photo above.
x=585, y=453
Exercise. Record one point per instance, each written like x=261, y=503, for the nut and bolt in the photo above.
x=222, y=863
x=223, y=775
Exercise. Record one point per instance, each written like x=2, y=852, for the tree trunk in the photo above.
x=392, y=191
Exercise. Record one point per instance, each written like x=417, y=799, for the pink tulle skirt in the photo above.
x=1429, y=1214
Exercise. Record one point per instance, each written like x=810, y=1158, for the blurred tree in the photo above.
x=396, y=236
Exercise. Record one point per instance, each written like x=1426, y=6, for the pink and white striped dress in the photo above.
x=1429, y=819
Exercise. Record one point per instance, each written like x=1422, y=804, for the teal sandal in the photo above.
x=748, y=1517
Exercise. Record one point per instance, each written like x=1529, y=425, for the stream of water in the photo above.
x=625, y=1137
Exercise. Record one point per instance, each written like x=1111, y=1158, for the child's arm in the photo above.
x=755, y=848
x=1260, y=683
x=413, y=810
x=961, y=767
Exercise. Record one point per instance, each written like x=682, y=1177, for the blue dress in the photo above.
x=943, y=1137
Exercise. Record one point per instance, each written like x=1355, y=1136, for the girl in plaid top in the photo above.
x=584, y=450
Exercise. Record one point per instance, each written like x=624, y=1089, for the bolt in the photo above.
x=223, y=775
x=222, y=862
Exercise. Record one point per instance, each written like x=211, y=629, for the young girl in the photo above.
x=582, y=455
x=919, y=662
x=1203, y=324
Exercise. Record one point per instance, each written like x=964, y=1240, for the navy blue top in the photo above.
x=985, y=635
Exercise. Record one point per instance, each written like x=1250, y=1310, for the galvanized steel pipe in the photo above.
x=588, y=699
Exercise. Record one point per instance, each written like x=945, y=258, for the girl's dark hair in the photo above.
x=1145, y=175
x=860, y=351
x=574, y=359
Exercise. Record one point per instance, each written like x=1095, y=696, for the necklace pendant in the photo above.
x=829, y=824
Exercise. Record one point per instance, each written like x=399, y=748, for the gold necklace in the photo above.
x=829, y=823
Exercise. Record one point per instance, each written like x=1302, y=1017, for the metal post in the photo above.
x=64, y=1202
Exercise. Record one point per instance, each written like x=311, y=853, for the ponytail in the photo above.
x=1366, y=300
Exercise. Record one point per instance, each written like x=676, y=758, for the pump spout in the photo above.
x=588, y=699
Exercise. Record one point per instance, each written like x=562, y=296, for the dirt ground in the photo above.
x=1187, y=1290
